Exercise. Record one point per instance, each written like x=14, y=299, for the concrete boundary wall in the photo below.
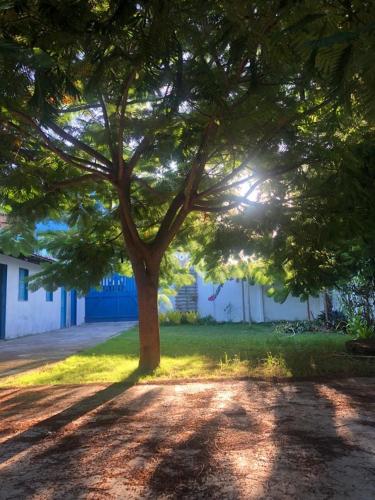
x=239, y=301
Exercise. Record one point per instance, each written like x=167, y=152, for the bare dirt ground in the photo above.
x=214, y=440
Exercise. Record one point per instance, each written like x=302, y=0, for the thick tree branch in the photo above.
x=170, y=215
x=70, y=159
x=107, y=127
x=78, y=108
x=122, y=109
x=203, y=205
x=65, y=135
x=178, y=220
x=223, y=182
x=130, y=232
x=223, y=187
x=105, y=163
x=196, y=172
x=124, y=189
x=75, y=181
x=214, y=209
x=142, y=182
x=180, y=205
x=139, y=151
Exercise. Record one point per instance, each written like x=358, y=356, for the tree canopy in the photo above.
x=148, y=125
x=314, y=230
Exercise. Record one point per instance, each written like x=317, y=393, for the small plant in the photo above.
x=227, y=362
x=162, y=318
x=173, y=317
x=359, y=328
x=190, y=317
x=170, y=318
x=207, y=320
x=337, y=320
x=229, y=310
x=275, y=365
x=291, y=328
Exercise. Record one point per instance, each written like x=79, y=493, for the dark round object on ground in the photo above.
x=361, y=346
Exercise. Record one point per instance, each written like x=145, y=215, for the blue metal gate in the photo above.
x=63, y=308
x=115, y=300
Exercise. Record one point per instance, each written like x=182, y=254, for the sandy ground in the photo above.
x=32, y=351
x=220, y=440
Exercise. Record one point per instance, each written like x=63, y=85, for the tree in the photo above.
x=358, y=294
x=148, y=121
x=315, y=229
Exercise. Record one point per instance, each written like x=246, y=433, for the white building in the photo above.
x=239, y=301
x=24, y=312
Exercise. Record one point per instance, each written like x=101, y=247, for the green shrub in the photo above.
x=174, y=317
x=337, y=320
x=191, y=317
x=207, y=320
x=177, y=318
x=162, y=318
x=296, y=327
x=358, y=327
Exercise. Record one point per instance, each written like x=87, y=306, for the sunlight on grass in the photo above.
x=189, y=351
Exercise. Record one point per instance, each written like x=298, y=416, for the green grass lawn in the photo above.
x=207, y=352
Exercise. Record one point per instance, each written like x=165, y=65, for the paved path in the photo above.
x=25, y=353
x=231, y=440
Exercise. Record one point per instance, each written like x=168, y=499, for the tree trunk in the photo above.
x=327, y=306
x=149, y=338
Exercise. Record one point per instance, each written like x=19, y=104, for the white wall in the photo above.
x=316, y=305
x=35, y=315
x=230, y=293
x=292, y=309
x=262, y=308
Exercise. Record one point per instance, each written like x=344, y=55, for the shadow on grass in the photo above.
x=36, y=433
x=199, y=352
x=194, y=351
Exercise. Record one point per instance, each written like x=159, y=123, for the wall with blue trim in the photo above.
x=35, y=315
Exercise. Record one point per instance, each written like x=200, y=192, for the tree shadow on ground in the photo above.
x=314, y=458
x=24, y=400
x=145, y=443
x=92, y=445
x=194, y=465
x=199, y=441
x=36, y=433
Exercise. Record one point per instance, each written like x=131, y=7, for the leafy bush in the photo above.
x=190, y=317
x=207, y=320
x=337, y=320
x=296, y=327
x=358, y=295
x=178, y=317
x=226, y=361
x=170, y=318
x=358, y=327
